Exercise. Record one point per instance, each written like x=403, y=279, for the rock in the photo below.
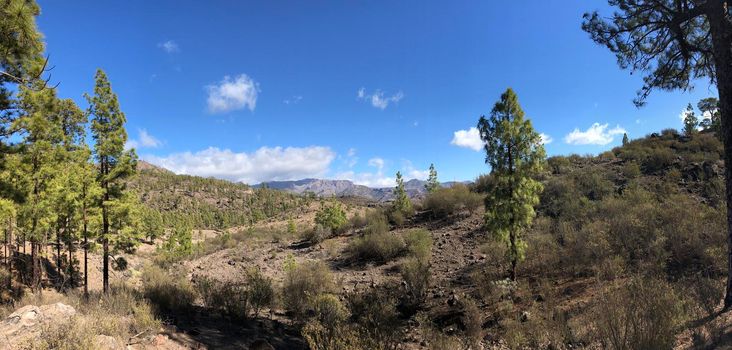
x=26, y=322
x=453, y=300
x=108, y=343
x=524, y=316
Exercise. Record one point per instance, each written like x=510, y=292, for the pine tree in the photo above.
x=401, y=204
x=114, y=163
x=691, y=122
x=42, y=137
x=515, y=154
x=432, y=184
x=709, y=108
x=625, y=139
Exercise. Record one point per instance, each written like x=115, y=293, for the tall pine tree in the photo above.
x=114, y=163
x=432, y=184
x=401, y=204
x=515, y=154
x=691, y=122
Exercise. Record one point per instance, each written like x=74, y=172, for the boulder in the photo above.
x=27, y=322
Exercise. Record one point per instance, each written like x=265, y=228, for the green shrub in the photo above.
x=446, y=202
x=397, y=217
x=331, y=216
x=261, y=293
x=419, y=243
x=559, y=164
x=631, y=170
x=482, y=184
x=303, y=283
x=376, y=222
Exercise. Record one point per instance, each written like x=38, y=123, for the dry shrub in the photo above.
x=237, y=299
x=377, y=247
x=416, y=275
x=376, y=222
x=167, y=292
x=317, y=234
x=303, y=283
x=644, y=314
x=121, y=313
x=374, y=314
x=446, y=202
x=472, y=320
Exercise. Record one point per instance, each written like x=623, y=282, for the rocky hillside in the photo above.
x=345, y=188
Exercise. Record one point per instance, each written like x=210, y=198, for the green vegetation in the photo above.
x=457, y=199
x=515, y=155
x=645, y=37
x=401, y=208
x=211, y=203
x=432, y=184
x=331, y=216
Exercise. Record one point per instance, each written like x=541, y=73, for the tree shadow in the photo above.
x=204, y=327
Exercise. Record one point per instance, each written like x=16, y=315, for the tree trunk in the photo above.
x=12, y=255
x=105, y=228
x=58, y=258
x=86, y=250
x=721, y=30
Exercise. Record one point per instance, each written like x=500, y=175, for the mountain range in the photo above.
x=345, y=188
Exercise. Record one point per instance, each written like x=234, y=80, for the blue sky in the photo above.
x=276, y=90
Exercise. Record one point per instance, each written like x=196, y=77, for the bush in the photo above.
x=374, y=313
x=446, y=202
x=378, y=247
x=482, y=184
x=641, y=315
x=397, y=217
x=559, y=164
x=331, y=216
x=416, y=276
x=631, y=170
x=303, y=283
x=658, y=159
x=261, y=292
x=376, y=222
x=317, y=234
x=419, y=243
x=227, y=297
x=169, y=293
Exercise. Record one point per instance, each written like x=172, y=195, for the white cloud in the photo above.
x=410, y=172
x=468, y=138
x=143, y=140
x=169, y=46
x=378, y=99
x=294, y=100
x=232, y=94
x=351, y=158
x=264, y=164
x=546, y=139
x=595, y=135
x=376, y=180
x=377, y=163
